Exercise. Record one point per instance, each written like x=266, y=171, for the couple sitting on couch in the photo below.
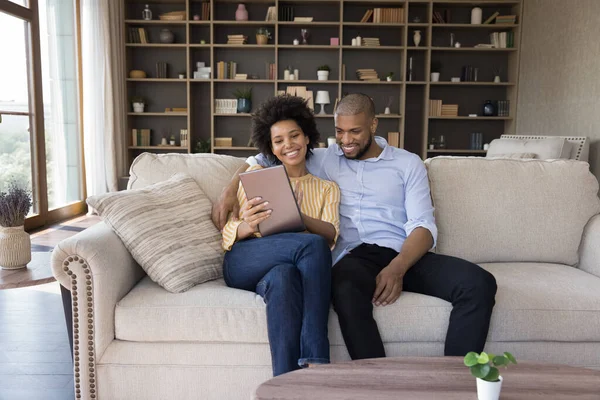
x=386, y=229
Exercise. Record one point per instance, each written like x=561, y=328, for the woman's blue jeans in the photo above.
x=292, y=272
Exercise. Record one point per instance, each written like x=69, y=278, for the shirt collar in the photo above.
x=386, y=154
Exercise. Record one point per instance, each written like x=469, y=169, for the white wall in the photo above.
x=559, y=78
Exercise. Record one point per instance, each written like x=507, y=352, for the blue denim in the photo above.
x=292, y=273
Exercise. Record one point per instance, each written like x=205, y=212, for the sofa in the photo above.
x=535, y=225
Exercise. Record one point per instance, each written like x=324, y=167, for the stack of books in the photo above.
x=370, y=42
x=138, y=35
x=384, y=15
x=449, y=110
x=435, y=108
x=503, y=108
x=301, y=91
x=368, y=74
x=205, y=11
x=241, y=77
x=237, y=39
x=183, y=137
x=440, y=18
x=506, y=19
x=270, y=70
x=161, y=70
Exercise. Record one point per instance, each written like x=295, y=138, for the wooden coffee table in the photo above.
x=427, y=378
x=38, y=272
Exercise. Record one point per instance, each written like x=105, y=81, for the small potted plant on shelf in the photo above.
x=262, y=36
x=203, y=146
x=497, y=71
x=139, y=103
x=172, y=140
x=436, y=68
x=244, y=100
x=390, y=77
x=323, y=72
x=484, y=367
x=15, y=244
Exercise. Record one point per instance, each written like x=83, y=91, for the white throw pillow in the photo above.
x=168, y=230
x=545, y=149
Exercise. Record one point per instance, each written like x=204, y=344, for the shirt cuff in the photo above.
x=251, y=161
x=230, y=237
x=411, y=225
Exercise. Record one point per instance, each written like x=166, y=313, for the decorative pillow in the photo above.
x=546, y=149
x=514, y=155
x=168, y=230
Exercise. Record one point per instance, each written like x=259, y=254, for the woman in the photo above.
x=291, y=271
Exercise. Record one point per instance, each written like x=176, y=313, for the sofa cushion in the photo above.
x=500, y=210
x=211, y=172
x=545, y=149
x=534, y=302
x=167, y=229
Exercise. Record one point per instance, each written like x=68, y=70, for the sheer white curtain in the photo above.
x=104, y=103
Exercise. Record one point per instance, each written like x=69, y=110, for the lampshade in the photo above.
x=322, y=97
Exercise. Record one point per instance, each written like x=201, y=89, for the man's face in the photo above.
x=354, y=134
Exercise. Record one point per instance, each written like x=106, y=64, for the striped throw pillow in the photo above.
x=167, y=229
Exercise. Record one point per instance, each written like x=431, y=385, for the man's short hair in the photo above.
x=354, y=104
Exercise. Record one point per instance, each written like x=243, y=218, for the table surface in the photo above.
x=427, y=378
x=38, y=272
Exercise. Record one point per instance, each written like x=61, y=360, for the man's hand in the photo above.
x=227, y=202
x=389, y=287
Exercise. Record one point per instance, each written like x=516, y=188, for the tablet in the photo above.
x=273, y=185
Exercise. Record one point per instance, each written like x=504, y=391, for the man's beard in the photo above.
x=362, y=151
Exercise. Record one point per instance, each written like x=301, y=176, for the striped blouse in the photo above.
x=321, y=200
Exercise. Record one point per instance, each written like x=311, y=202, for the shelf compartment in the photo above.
x=309, y=47
x=464, y=118
x=157, y=114
x=332, y=82
x=349, y=82
x=384, y=48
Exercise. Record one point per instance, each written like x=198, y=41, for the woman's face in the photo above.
x=289, y=142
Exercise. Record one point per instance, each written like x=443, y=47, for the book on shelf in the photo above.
x=226, y=69
x=491, y=18
x=271, y=14
x=183, y=137
x=440, y=18
x=506, y=19
x=370, y=42
x=394, y=139
x=206, y=11
x=138, y=35
x=435, y=108
x=503, y=108
x=387, y=15
x=237, y=39
x=140, y=137
x=449, y=110
x=286, y=13
x=303, y=19
x=502, y=40
x=367, y=16
x=162, y=70
x=367, y=74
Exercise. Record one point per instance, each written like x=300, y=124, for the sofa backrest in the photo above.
x=503, y=210
x=212, y=172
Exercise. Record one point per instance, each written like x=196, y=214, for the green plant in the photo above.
x=263, y=31
x=203, y=146
x=324, y=67
x=390, y=75
x=245, y=93
x=14, y=205
x=436, y=66
x=484, y=365
x=138, y=99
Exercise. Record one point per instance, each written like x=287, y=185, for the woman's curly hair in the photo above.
x=282, y=108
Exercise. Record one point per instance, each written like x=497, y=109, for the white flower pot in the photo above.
x=497, y=79
x=488, y=390
x=435, y=77
x=323, y=75
x=138, y=107
x=15, y=247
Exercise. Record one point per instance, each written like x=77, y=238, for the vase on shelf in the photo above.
x=241, y=14
x=262, y=39
x=244, y=106
x=476, y=16
x=147, y=14
x=489, y=110
x=417, y=38
x=435, y=77
x=138, y=107
x=166, y=36
x=497, y=79
x=15, y=247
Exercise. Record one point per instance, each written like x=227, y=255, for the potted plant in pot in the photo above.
x=244, y=100
x=15, y=244
x=323, y=72
x=436, y=68
x=262, y=36
x=484, y=367
x=138, y=103
x=390, y=77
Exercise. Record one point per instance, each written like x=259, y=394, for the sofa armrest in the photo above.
x=589, y=250
x=99, y=271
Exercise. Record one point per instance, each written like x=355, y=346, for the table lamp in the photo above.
x=322, y=99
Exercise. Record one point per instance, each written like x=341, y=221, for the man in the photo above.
x=387, y=230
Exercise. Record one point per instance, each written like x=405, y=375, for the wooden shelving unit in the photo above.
x=332, y=18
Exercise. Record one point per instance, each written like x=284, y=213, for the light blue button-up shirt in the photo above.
x=383, y=199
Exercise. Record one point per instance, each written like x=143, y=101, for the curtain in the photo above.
x=104, y=101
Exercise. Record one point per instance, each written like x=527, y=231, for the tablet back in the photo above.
x=273, y=185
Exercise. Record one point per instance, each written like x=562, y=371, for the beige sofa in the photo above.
x=533, y=224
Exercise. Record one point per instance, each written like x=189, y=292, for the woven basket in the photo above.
x=15, y=247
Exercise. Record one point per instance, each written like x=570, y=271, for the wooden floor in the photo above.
x=35, y=359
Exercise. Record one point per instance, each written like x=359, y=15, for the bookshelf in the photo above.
x=206, y=41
